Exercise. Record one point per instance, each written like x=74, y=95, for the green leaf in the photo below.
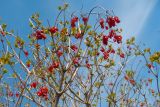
x=97, y=84
x=130, y=73
x=4, y=26
x=14, y=75
x=59, y=8
x=8, y=43
x=4, y=70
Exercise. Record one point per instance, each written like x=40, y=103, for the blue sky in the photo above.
x=139, y=18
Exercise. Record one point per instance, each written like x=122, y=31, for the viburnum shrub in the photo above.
x=80, y=60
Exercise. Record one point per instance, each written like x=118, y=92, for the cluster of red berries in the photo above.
x=43, y=92
x=59, y=53
x=78, y=35
x=106, y=53
x=111, y=21
x=116, y=38
x=73, y=21
x=33, y=84
x=53, y=66
x=85, y=20
x=53, y=30
x=112, y=34
x=39, y=34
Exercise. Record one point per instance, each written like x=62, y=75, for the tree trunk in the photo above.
x=88, y=105
x=55, y=103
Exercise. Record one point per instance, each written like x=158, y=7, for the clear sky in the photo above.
x=140, y=18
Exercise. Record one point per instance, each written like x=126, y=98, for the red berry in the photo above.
x=150, y=66
x=43, y=36
x=126, y=77
x=76, y=60
x=33, y=85
x=111, y=22
x=73, y=21
x=10, y=94
x=88, y=65
x=28, y=63
x=44, y=89
x=39, y=93
x=101, y=22
x=46, y=97
x=78, y=35
x=118, y=38
x=26, y=53
x=102, y=49
x=97, y=53
x=39, y=34
x=112, y=33
x=59, y=53
x=132, y=81
x=85, y=20
x=50, y=69
x=106, y=27
x=106, y=55
x=116, y=19
x=55, y=64
x=111, y=84
x=43, y=92
x=113, y=51
x=53, y=30
x=122, y=55
x=2, y=33
x=152, y=91
x=17, y=94
x=74, y=48
x=105, y=40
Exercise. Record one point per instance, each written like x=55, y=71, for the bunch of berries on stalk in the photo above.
x=85, y=20
x=43, y=92
x=39, y=34
x=111, y=21
x=73, y=21
x=33, y=84
x=53, y=66
x=53, y=30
